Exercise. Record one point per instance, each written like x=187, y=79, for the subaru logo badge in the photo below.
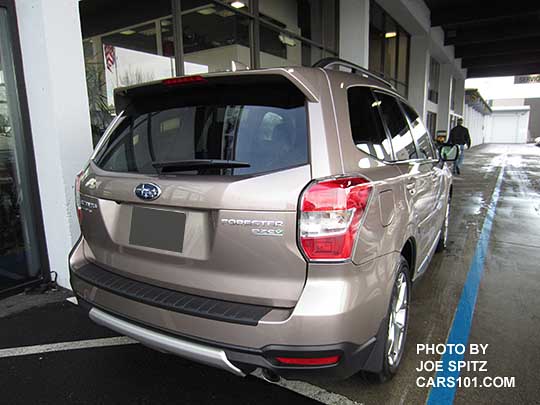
x=147, y=191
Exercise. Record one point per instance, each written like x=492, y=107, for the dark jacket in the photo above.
x=459, y=135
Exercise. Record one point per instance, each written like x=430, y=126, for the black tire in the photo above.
x=443, y=239
x=390, y=368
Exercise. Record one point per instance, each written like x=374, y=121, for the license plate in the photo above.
x=158, y=229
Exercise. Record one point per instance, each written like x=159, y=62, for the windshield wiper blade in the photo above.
x=196, y=164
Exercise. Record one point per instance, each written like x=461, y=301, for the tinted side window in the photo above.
x=420, y=133
x=366, y=125
x=402, y=140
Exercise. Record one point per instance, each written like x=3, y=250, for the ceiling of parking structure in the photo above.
x=493, y=38
x=103, y=16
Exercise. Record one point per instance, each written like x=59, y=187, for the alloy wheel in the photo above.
x=397, y=323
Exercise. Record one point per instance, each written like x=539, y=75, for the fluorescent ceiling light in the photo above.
x=225, y=13
x=128, y=32
x=237, y=4
x=207, y=10
x=149, y=32
x=286, y=40
x=390, y=34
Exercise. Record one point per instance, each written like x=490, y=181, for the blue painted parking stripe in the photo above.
x=461, y=326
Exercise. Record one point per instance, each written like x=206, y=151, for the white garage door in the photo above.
x=509, y=127
x=504, y=129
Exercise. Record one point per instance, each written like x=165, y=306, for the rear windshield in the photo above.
x=257, y=123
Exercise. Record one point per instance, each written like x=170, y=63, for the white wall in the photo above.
x=419, y=73
x=52, y=54
x=478, y=125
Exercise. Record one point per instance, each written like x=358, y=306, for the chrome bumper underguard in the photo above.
x=161, y=342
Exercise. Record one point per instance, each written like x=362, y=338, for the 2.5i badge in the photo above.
x=267, y=232
x=260, y=227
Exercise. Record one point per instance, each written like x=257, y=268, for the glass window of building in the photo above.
x=453, y=94
x=19, y=237
x=125, y=43
x=402, y=79
x=389, y=49
x=298, y=32
x=433, y=82
x=213, y=38
x=376, y=39
x=431, y=123
x=128, y=42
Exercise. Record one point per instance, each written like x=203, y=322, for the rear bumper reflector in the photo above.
x=308, y=361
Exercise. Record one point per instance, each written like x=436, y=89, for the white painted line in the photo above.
x=310, y=391
x=73, y=300
x=58, y=347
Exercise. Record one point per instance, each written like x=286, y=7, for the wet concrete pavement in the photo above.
x=507, y=318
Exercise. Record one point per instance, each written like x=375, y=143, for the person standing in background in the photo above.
x=459, y=135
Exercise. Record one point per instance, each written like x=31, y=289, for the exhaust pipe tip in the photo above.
x=270, y=376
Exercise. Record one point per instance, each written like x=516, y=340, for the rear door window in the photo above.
x=366, y=126
x=263, y=125
x=402, y=140
x=420, y=133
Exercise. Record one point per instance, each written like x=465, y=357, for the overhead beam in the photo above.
x=507, y=70
x=497, y=48
x=476, y=12
x=515, y=59
x=490, y=34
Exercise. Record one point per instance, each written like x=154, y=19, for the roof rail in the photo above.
x=329, y=63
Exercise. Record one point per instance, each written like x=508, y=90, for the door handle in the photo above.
x=410, y=186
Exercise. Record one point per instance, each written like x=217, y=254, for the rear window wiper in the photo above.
x=187, y=165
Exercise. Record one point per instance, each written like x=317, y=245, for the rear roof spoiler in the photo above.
x=124, y=95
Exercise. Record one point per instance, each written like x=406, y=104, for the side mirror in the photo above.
x=449, y=153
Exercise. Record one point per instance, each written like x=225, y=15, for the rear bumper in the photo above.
x=241, y=361
x=340, y=312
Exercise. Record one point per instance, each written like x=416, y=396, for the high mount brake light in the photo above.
x=174, y=81
x=331, y=211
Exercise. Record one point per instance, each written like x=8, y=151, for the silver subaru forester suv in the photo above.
x=270, y=219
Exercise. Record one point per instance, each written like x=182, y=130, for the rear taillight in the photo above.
x=331, y=211
x=78, y=195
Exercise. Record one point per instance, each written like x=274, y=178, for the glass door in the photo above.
x=19, y=256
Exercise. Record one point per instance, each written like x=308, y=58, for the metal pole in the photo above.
x=178, y=37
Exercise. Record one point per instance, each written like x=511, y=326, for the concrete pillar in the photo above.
x=53, y=62
x=460, y=96
x=419, y=73
x=445, y=92
x=354, y=31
